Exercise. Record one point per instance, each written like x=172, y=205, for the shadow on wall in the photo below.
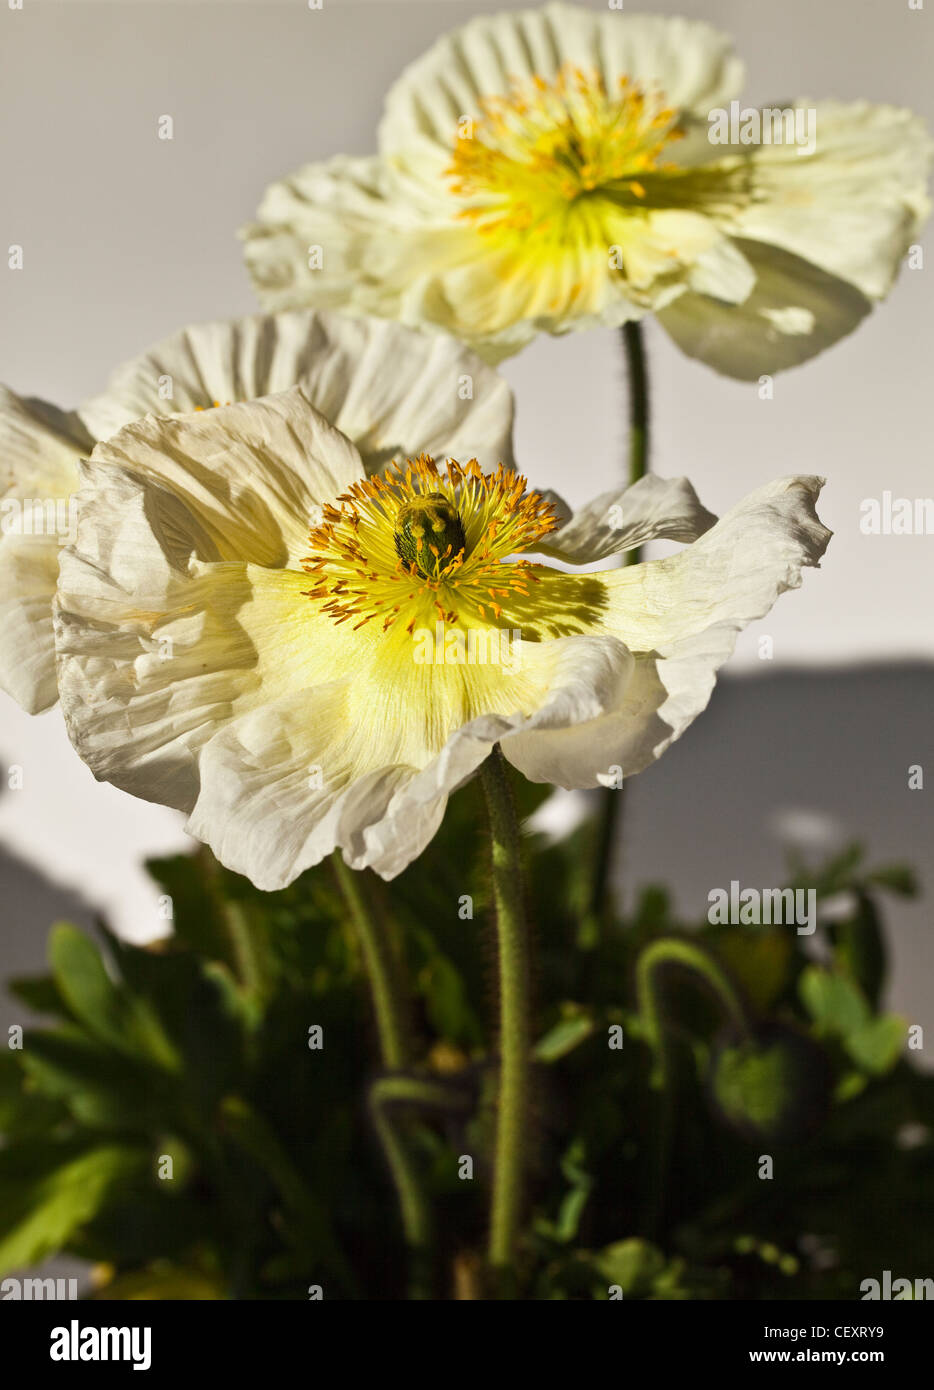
x=791, y=749
x=30, y=906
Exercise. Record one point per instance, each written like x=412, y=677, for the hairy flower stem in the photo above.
x=668, y=951
x=514, y=1024
x=611, y=809
x=395, y=1049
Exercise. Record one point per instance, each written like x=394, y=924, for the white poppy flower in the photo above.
x=393, y=391
x=555, y=169
x=302, y=657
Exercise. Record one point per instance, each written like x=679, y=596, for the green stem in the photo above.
x=611, y=811
x=241, y=936
x=515, y=1041
x=419, y=1092
x=638, y=377
x=609, y=829
x=240, y=946
x=390, y=1009
x=406, y=1092
x=388, y=1001
x=676, y=951
x=413, y=1207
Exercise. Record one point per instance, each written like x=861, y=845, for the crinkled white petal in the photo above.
x=722, y=272
x=685, y=611
x=28, y=574
x=652, y=508
x=40, y=448
x=795, y=311
x=395, y=392
x=679, y=618
x=276, y=794
x=693, y=65
x=242, y=482
x=347, y=234
x=157, y=609
x=151, y=662
x=329, y=236
x=853, y=206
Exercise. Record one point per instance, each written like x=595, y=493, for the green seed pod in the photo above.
x=429, y=533
x=774, y=1085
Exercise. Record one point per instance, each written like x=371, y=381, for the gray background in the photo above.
x=128, y=237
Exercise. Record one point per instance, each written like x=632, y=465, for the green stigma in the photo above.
x=429, y=533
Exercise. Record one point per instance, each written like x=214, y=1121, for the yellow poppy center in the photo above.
x=420, y=543
x=538, y=153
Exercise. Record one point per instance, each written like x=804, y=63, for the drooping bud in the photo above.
x=429, y=533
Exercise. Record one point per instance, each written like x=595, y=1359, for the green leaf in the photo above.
x=876, y=1045
x=898, y=878
x=45, y=1203
x=446, y=1001
x=109, y=1012
x=101, y=1089
x=441, y=984
x=834, y=1002
x=653, y=909
x=39, y=993
x=574, y=1201
x=850, y=1085
x=633, y=1264
x=841, y=871
x=566, y=1034
x=840, y=1009
x=196, y=913
x=570, y=1213
x=859, y=949
x=23, y=1113
x=309, y=1221
x=759, y=958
